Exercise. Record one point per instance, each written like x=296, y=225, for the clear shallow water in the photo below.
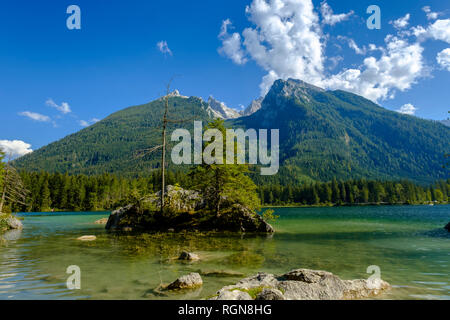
x=409, y=245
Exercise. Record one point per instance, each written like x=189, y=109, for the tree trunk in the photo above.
x=4, y=190
x=218, y=194
x=163, y=160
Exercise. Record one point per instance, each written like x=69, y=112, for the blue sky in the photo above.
x=114, y=62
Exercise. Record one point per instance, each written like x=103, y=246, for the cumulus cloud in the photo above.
x=328, y=16
x=35, y=116
x=63, y=108
x=430, y=14
x=407, y=109
x=85, y=123
x=164, y=47
x=15, y=148
x=286, y=40
x=397, y=68
x=401, y=22
x=231, y=44
x=439, y=30
x=443, y=58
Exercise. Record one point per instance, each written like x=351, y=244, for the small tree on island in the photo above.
x=220, y=183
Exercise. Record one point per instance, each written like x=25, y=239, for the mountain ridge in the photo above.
x=323, y=134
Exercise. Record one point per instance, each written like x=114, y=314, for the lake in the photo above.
x=408, y=243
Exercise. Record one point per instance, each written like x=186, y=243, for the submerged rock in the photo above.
x=102, y=221
x=220, y=273
x=188, y=256
x=11, y=235
x=448, y=227
x=305, y=284
x=87, y=238
x=190, y=281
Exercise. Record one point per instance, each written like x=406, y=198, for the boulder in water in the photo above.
x=188, y=256
x=14, y=223
x=305, y=284
x=190, y=281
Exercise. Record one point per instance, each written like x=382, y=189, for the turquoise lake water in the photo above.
x=408, y=243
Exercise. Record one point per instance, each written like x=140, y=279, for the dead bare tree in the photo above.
x=165, y=121
x=13, y=189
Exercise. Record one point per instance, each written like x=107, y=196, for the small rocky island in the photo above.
x=185, y=210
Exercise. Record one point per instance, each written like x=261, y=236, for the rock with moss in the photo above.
x=270, y=294
x=233, y=295
x=9, y=222
x=190, y=281
x=305, y=284
x=118, y=218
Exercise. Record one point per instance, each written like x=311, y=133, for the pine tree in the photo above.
x=220, y=182
x=45, y=197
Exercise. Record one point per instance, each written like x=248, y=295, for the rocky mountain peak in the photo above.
x=294, y=87
x=254, y=106
x=176, y=93
x=221, y=110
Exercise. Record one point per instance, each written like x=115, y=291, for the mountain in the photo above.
x=112, y=144
x=446, y=122
x=326, y=134
x=254, y=106
x=220, y=110
x=323, y=134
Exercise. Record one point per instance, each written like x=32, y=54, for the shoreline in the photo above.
x=352, y=205
x=57, y=211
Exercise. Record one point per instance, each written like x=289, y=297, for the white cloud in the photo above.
x=401, y=22
x=443, y=58
x=63, y=108
x=164, y=47
x=352, y=44
x=334, y=61
x=15, y=148
x=35, y=116
x=85, y=123
x=439, y=30
x=328, y=16
x=407, y=109
x=398, y=68
x=430, y=15
x=231, y=44
x=286, y=40
x=224, y=28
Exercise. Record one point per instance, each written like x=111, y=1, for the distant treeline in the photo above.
x=355, y=192
x=106, y=192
